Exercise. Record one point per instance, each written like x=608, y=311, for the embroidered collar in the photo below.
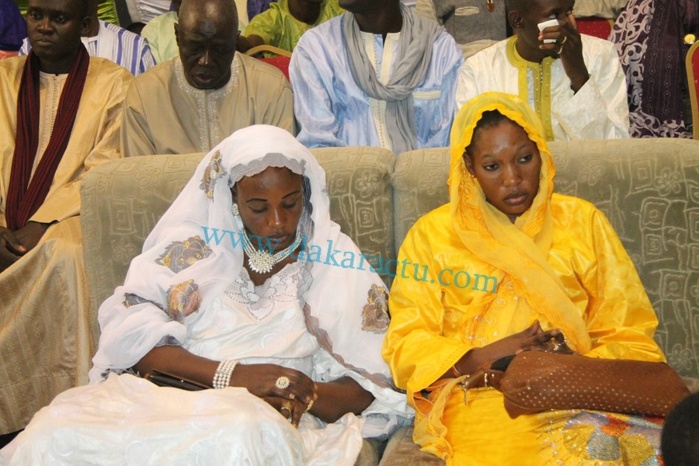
x=208, y=122
x=541, y=83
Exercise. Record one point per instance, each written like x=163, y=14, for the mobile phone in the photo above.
x=547, y=24
x=163, y=379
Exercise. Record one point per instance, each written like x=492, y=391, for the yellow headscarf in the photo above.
x=519, y=250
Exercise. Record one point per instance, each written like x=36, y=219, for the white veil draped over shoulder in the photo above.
x=192, y=255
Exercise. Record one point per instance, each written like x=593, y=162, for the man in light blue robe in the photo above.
x=376, y=76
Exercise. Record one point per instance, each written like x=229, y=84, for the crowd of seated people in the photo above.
x=84, y=92
x=61, y=115
x=112, y=42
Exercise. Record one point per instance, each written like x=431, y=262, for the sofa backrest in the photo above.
x=649, y=189
x=361, y=199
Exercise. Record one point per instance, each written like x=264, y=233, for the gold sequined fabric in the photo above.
x=591, y=438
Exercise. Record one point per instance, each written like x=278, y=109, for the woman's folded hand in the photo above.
x=271, y=380
x=531, y=338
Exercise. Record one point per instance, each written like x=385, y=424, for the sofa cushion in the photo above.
x=419, y=186
x=121, y=203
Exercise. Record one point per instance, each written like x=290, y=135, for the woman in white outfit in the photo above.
x=241, y=287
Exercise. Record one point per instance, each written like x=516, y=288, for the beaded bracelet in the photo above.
x=222, y=377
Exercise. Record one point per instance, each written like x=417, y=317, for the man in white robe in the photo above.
x=574, y=82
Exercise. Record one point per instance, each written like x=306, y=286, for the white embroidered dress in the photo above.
x=318, y=318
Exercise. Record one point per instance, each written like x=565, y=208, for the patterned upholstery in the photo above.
x=649, y=190
x=358, y=180
x=121, y=203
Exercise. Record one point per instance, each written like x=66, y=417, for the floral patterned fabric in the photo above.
x=657, y=85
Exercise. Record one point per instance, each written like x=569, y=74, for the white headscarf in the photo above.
x=179, y=272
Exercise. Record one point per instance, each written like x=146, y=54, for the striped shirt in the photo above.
x=116, y=44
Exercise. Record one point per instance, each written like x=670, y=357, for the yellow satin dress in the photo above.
x=468, y=277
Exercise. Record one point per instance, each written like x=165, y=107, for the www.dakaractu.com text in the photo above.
x=328, y=255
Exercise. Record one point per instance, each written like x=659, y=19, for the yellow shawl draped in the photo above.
x=519, y=250
x=560, y=262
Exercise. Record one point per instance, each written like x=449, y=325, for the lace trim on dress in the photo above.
x=271, y=159
x=274, y=159
x=274, y=295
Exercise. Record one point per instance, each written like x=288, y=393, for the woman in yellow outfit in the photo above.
x=509, y=266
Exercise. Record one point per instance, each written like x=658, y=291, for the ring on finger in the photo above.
x=282, y=382
x=286, y=406
x=559, y=50
x=558, y=345
x=565, y=38
x=309, y=406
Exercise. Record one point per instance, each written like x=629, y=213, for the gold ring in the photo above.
x=286, y=405
x=565, y=38
x=309, y=406
x=282, y=382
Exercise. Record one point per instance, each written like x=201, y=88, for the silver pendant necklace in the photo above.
x=262, y=261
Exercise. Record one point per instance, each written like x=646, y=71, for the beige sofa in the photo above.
x=649, y=189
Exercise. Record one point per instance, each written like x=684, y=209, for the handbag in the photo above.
x=536, y=381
